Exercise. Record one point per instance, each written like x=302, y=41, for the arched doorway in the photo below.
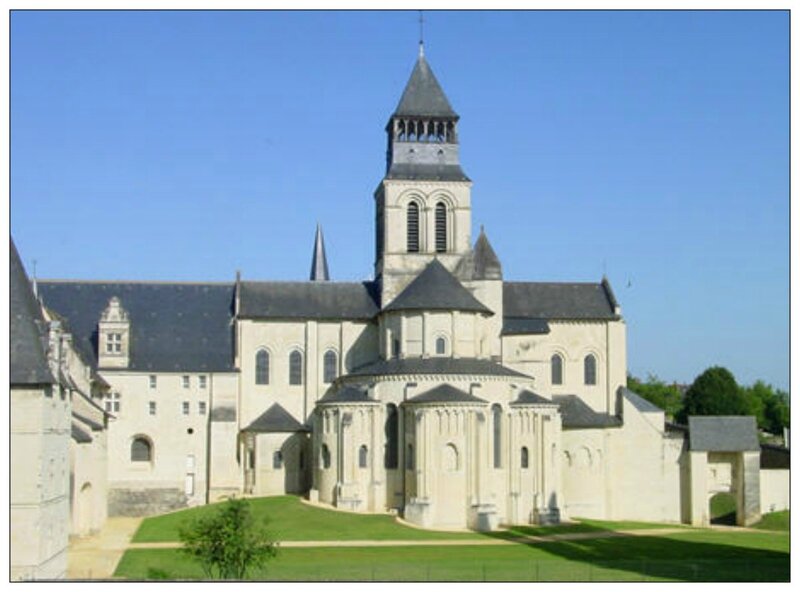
x=722, y=508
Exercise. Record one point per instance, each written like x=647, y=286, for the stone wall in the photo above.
x=145, y=502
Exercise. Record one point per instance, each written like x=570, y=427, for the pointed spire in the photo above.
x=319, y=263
x=423, y=96
x=487, y=265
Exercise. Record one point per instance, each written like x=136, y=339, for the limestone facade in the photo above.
x=437, y=390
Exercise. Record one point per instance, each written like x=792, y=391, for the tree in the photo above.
x=714, y=392
x=770, y=406
x=228, y=543
x=659, y=393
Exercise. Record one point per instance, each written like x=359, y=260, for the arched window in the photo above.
x=277, y=459
x=450, y=458
x=523, y=461
x=329, y=366
x=412, y=228
x=295, y=368
x=589, y=370
x=556, y=369
x=391, y=431
x=362, y=457
x=410, y=457
x=441, y=227
x=262, y=367
x=441, y=346
x=326, y=457
x=141, y=450
x=497, y=424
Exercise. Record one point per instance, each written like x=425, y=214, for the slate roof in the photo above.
x=423, y=96
x=436, y=365
x=639, y=402
x=512, y=326
x=308, y=300
x=723, y=433
x=527, y=397
x=481, y=263
x=319, y=262
x=275, y=419
x=80, y=435
x=174, y=326
x=435, y=288
x=775, y=457
x=406, y=171
x=445, y=393
x=552, y=301
x=28, y=362
x=576, y=414
x=347, y=394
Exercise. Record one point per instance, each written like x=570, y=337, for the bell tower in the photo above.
x=422, y=206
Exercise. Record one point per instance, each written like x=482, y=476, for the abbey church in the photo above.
x=438, y=391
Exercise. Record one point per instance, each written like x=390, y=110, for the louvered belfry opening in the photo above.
x=437, y=131
x=413, y=228
x=441, y=228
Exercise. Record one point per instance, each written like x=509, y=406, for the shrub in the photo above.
x=228, y=543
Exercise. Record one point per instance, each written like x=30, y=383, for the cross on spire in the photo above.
x=421, y=33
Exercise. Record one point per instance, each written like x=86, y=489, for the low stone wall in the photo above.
x=145, y=502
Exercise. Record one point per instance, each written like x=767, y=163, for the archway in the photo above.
x=722, y=508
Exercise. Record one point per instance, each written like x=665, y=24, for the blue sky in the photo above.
x=653, y=146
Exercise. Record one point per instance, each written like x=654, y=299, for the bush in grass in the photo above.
x=229, y=542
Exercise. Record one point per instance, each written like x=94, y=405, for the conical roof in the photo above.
x=28, y=360
x=423, y=96
x=481, y=263
x=275, y=419
x=319, y=262
x=436, y=289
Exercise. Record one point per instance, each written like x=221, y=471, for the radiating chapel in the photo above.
x=437, y=391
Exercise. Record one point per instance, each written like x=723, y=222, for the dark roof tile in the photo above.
x=308, y=300
x=174, y=326
x=435, y=288
x=551, y=301
x=576, y=414
x=275, y=419
x=445, y=393
x=423, y=96
x=405, y=171
x=723, y=433
x=28, y=363
x=527, y=397
x=347, y=394
x=435, y=366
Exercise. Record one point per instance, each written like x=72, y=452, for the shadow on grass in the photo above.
x=674, y=557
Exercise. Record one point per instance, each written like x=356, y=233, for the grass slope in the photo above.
x=690, y=556
x=775, y=521
x=291, y=520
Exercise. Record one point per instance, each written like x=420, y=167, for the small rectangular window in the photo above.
x=186, y=407
x=153, y=381
x=277, y=459
x=201, y=407
x=113, y=343
x=185, y=381
x=202, y=380
x=152, y=407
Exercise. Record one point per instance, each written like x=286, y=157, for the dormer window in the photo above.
x=114, y=343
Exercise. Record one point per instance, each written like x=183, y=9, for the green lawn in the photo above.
x=690, y=556
x=693, y=555
x=291, y=520
x=775, y=521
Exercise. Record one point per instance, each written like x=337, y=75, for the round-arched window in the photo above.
x=141, y=450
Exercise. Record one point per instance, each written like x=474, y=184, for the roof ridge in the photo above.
x=137, y=282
